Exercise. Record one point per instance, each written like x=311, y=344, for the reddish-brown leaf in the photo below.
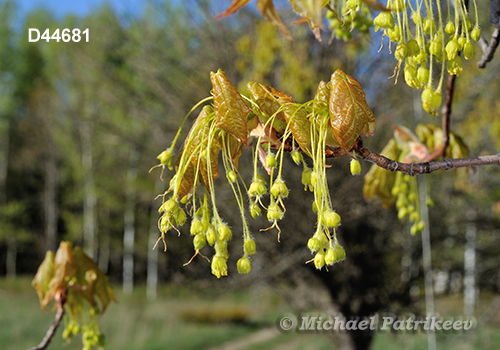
x=349, y=113
x=235, y=6
x=266, y=7
x=231, y=112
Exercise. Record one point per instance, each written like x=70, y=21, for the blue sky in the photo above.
x=80, y=7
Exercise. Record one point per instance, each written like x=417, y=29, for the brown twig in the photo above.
x=60, y=299
x=450, y=88
x=426, y=167
x=488, y=50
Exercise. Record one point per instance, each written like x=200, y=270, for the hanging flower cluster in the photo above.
x=402, y=189
x=429, y=40
x=272, y=124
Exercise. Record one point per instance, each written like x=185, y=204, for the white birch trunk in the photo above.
x=152, y=273
x=470, y=291
x=89, y=201
x=129, y=221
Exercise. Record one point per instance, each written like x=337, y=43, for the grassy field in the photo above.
x=183, y=319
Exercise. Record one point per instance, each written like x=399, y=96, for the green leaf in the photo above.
x=231, y=112
x=349, y=113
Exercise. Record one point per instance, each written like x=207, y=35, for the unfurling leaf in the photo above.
x=266, y=7
x=321, y=100
x=42, y=279
x=378, y=181
x=231, y=112
x=375, y=5
x=193, y=158
x=266, y=97
x=349, y=113
x=235, y=6
x=311, y=12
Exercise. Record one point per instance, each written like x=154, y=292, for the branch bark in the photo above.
x=60, y=299
x=488, y=49
x=426, y=167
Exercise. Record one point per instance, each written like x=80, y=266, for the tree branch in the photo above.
x=60, y=299
x=488, y=50
x=423, y=168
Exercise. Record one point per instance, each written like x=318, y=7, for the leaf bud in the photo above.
x=244, y=266
x=249, y=247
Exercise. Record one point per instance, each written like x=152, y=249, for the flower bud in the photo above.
x=306, y=178
x=413, y=48
x=468, y=24
x=279, y=189
x=454, y=66
x=315, y=207
x=330, y=256
x=211, y=235
x=332, y=219
x=476, y=34
x=449, y=28
x=196, y=227
x=398, y=6
x=166, y=158
x=297, y=157
x=469, y=51
x=244, y=266
x=353, y=4
x=219, y=266
x=249, y=247
x=431, y=101
x=401, y=52
x=257, y=189
x=394, y=34
x=274, y=212
x=199, y=241
x=423, y=75
x=314, y=244
x=429, y=26
x=355, y=167
x=221, y=248
x=314, y=178
x=231, y=176
x=169, y=206
x=421, y=57
x=451, y=49
x=384, y=20
x=410, y=78
x=180, y=217
x=319, y=260
x=225, y=232
x=255, y=211
x=461, y=41
x=339, y=252
x=271, y=161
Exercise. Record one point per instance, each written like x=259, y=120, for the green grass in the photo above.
x=172, y=322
